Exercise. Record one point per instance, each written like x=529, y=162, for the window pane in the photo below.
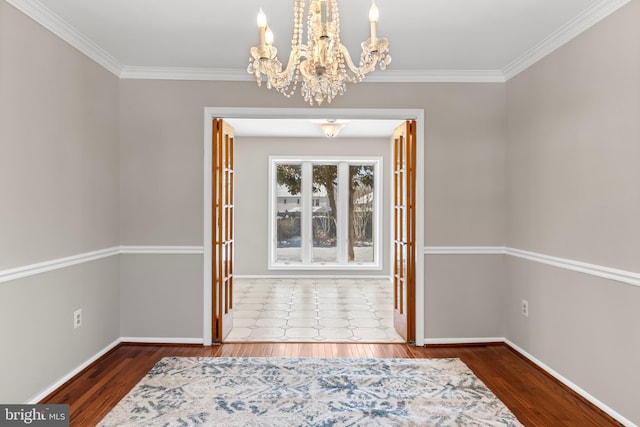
x=361, y=213
x=288, y=210
x=324, y=213
x=331, y=218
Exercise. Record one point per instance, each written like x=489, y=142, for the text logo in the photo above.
x=34, y=415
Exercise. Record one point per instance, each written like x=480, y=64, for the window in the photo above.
x=336, y=224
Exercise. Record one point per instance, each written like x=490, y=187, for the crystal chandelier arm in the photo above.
x=304, y=70
x=287, y=72
x=370, y=66
x=348, y=60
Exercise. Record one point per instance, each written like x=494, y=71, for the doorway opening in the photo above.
x=303, y=309
x=417, y=325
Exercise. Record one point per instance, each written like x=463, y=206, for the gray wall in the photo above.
x=59, y=197
x=89, y=162
x=162, y=132
x=162, y=142
x=573, y=174
x=465, y=296
x=39, y=344
x=161, y=296
x=252, y=195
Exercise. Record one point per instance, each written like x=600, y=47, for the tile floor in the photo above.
x=313, y=310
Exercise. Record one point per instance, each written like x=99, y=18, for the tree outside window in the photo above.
x=355, y=215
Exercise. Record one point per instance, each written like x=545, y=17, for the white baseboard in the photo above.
x=146, y=340
x=571, y=385
x=161, y=340
x=53, y=387
x=310, y=276
x=484, y=340
x=542, y=366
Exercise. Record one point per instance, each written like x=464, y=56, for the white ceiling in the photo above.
x=460, y=36
x=310, y=128
x=430, y=40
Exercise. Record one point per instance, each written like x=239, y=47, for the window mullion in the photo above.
x=342, y=229
x=306, y=214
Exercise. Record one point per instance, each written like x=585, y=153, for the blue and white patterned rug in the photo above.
x=273, y=392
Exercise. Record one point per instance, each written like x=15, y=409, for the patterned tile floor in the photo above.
x=313, y=310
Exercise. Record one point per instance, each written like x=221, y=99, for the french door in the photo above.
x=404, y=229
x=222, y=229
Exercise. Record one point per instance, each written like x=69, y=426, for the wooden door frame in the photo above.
x=313, y=113
x=222, y=236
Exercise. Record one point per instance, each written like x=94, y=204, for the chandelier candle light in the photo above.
x=323, y=65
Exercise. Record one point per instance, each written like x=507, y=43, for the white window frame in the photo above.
x=342, y=231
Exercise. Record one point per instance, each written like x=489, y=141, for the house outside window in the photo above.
x=336, y=224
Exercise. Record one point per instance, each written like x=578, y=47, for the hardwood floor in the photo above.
x=532, y=395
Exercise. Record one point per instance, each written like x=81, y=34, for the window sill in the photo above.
x=326, y=266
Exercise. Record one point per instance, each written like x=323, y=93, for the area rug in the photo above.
x=273, y=392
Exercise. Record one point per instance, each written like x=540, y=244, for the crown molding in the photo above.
x=388, y=76
x=52, y=22
x=594, y=14
x=177, y=73
x=436, y=76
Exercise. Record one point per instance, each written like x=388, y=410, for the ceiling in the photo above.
x=310, y=128
x=425, y=36
x=430, y=40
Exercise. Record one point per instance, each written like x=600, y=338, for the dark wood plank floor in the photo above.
x=533, y=396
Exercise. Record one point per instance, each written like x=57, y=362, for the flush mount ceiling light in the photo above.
x=323, y=65
x=331, y=128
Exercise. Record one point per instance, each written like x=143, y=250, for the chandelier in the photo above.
x=323, y=66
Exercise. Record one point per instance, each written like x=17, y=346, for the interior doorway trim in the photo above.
x=316, y=113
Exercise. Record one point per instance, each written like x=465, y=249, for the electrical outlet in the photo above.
x=525, y=308
x=77, y=319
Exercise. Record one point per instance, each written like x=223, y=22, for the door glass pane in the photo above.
x=288, y=212
x=361, y=211
x=324, y=212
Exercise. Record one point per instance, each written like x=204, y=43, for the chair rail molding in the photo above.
x=56, y=264
x=464, y=250
x=623, y=276
x=162, y=250
x=59, y=263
